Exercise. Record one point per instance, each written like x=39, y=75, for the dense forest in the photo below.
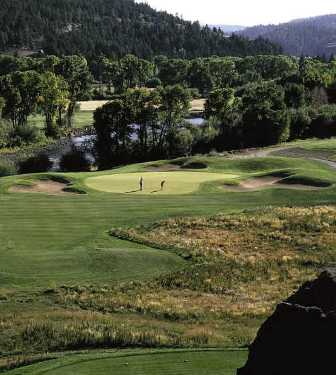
x=309, y=37
x=113, y=28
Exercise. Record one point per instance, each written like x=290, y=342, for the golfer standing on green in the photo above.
x=141, y=183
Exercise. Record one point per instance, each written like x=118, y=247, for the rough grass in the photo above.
x=240, y=266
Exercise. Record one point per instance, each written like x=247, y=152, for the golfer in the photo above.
x=162, y=184
x=141, y=183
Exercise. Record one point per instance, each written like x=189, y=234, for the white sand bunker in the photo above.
x=258, y=183
x=41, y=186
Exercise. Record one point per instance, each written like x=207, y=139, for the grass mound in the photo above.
x=195, y=165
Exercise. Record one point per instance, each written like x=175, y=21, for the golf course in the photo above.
x=101, y=277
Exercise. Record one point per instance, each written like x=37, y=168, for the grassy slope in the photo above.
x=143, y=363
x=49, y=241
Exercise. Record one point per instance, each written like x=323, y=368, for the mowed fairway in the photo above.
x=175, y=182
x=56, y=240
x=208, y=362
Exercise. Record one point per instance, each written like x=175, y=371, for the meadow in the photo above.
x=103, y=269
x=83, y=117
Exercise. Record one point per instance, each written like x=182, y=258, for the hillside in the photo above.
x=112, y=27
x=229, y=29
x=311, y=36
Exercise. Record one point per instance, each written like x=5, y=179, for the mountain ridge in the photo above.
x=313, y=36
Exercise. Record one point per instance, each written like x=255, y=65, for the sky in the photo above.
x=244, y=12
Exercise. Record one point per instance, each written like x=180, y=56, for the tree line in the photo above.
x=250, y=102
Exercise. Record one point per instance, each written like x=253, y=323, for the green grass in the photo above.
x=177, y=183
x=210, y=362
x=48, y=240
x=81, y=120
x=55, y=251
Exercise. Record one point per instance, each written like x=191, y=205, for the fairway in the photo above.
x=176, y=182
x=164, y=363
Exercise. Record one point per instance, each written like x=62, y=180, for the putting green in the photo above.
x=176, y=182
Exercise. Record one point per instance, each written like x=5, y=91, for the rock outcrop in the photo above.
x=299, y=338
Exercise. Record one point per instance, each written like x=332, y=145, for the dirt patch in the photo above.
x=257, y=183
x=48, y=187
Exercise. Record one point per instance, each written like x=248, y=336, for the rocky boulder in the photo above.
x=299, y=338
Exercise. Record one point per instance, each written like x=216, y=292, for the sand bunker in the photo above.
x=257, y=183
x=42, y=186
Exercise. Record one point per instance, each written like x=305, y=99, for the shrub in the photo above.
x=36, y=164
x=25, y=135
x=75, y=161
x=300, y=120
x=154, y=83
x=7, y=168
x=324, y=123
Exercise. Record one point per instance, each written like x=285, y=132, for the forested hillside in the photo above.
x=112, y=27
x=310, y=37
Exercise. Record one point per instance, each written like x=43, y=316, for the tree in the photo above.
x=300, y=123
x=143, y=107
x=219, y=102
x=136, y=72
x=295, y=95
x=265, y=116
x=175, y=104
x=113, y=127
x=199, y=75
x=173, y=71
x=2, y=105
x=53, y=101
x=20, y=91
x=223, y=72
x=75, y=71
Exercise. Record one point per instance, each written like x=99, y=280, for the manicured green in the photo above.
x=208, y=362
x=175, y=182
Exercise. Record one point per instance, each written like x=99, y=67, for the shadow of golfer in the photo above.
x=156, y=191
x=133, y=191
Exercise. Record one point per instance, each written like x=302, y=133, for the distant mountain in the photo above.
x=310, y=36
x=229, y=29
x=114, y=28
